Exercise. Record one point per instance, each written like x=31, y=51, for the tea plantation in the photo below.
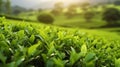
x=36, y=45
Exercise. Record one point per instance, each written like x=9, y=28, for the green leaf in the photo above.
x=32, y=38
x=2, y=19
x=21, y=34
x=50, y=63
x=20, y=60
x=60, y=54
x=51, y=48
x=44, y=57
x=43, y=36
x=30, y=29
x=90, y=64
x=3, y=44
x=2, y=57
x=84, y=49
x=74, y=56
x=32, y=49
x=14, y=42
x=61, y=35
x=12, y=64
x=90, y=56
x=59, y=63
x=117, y=62
x=2, y=37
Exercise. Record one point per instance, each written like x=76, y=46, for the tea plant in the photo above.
x=37, y=45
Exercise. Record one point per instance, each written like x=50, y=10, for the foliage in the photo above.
x=56, y=12
x=88, y=15
x=8, y=6
x=117, y=2
x=111, y=15
x=71, y=12
x=1, y=2
x=15, y=18
x=28, y=44
x=58, y=8
x=85, y=5
x=5, y=7
x=16, y=10
x=45, y=18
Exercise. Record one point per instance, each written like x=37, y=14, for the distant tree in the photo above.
x=45, y=18
x=39, y=10
x=1, y=2
x=117, y=2
x=58, y=8
x=88, y=15
x=101, y=3
x=17, y=10
x=31, y=10
x=8, y=6
x=111, y=15
x=72, y=8
x=59, y=5
x=71, y=11
x=85, y=6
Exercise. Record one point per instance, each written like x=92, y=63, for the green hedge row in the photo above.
x=15, y=18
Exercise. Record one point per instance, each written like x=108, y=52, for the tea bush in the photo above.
x=28, y=44
x=111, y=15
x=45, y=18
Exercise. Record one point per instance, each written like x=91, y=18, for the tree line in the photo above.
x=5, y=6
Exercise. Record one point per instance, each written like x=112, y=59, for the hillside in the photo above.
x=78, y=20
x=25, y=44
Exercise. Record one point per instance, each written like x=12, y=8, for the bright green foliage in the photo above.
x=35, y=45
x=117, y=62
x=84, y=49
x=32, y=38
x=74, y=57
x=89, y=57
x=32, y=49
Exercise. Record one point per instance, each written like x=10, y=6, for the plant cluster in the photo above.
x=45, y=18
x=28, y=44
x=89, y=15
x=111, y=15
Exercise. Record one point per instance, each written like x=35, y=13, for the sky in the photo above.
x=46, y=3
x=35, y=3
x=26, y=3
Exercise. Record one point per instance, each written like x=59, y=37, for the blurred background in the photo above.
x=85, y=14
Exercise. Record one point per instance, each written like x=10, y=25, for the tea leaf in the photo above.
x=32, y=49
